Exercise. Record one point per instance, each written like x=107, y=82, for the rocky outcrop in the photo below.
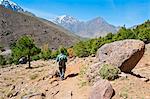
x=102, y=90
x=123, y=54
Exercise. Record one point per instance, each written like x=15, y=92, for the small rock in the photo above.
x=34, y=96
x=102, y=90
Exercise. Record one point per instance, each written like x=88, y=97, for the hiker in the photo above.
x=62, y=59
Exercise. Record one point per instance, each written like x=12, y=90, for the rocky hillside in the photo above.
x=92, y=28
x=16, y=82
x=14, y=24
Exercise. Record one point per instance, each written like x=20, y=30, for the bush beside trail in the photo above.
x=109, y=72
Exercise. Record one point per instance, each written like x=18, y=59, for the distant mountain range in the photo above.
x=92, y=28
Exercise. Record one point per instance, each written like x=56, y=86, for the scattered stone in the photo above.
x=34, y=96
x=46, y=90
x=102, y=90
x=12, y=92
x=55, y=93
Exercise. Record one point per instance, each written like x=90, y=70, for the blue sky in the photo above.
x=116, y=12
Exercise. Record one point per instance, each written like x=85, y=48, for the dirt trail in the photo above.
x=70, y=88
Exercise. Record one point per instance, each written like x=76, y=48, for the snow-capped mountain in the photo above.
x=65, y=19
x=11, y=5
x=92, y=28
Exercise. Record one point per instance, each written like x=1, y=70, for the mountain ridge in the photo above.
x=92, y=28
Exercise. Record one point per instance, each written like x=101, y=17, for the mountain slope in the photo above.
x=14, y=24
x=93, y=28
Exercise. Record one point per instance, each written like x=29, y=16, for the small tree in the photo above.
x=24, y=47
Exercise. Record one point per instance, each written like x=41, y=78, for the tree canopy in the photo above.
x=24, y=47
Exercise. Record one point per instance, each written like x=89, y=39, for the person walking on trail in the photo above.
x=62, y=59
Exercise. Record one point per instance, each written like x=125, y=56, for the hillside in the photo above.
x=13, y=25
x=93, y=28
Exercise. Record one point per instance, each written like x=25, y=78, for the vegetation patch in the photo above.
x=2, y=61
x=124, y=93
x=34, y=76
x=109, y=72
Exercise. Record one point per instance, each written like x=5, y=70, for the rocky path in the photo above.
x=70, y=87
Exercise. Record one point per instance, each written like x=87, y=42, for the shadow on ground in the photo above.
x=72, y=75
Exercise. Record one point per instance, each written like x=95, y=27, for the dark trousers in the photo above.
x=62, y=71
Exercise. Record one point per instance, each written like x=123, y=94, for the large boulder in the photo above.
x=123, y=54
x=102, y=90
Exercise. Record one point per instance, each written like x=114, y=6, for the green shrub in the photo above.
x=54, y=54
x=46, y=54
x=109, y=72
x=36, y=57
x=80, y=49
x=9, y=60
x=2, y=60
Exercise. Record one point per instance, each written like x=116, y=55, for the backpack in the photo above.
x=62, y=59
